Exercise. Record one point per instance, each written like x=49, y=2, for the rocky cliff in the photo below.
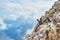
x=48, y=26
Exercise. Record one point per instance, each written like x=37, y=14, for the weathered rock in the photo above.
x=50, y=27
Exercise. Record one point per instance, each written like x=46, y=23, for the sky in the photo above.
x=18, y=17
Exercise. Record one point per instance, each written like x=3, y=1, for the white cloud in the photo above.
x=11, y=16
x=10, y=25
x=2, y=25
x=27, y=9
x=18, y=31
x=5, y=37
x=29, y=31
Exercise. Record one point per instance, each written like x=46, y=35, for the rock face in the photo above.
x=48, y=27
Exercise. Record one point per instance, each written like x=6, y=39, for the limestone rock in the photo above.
x=50, y=27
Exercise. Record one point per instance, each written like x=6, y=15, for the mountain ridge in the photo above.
x=48, y=26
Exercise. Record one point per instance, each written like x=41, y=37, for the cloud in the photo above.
x=18, y=31
x=28, y=9
x=25, y=9
x=2, y=25
x=10, y=25
x=29, y=31
x=5, y=37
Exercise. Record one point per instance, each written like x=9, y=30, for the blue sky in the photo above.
x=18, y=17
